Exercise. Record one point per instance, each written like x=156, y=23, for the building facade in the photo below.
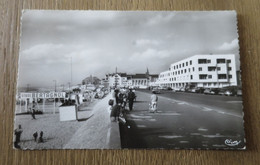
x=208, y=71
x=131, y=80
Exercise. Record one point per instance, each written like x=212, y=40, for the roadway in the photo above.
x=184, y=120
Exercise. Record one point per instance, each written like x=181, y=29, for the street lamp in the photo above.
x=55, y=85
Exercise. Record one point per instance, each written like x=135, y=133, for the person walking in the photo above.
x=18, y=132
x=33, y=114
x=40, y=140
x=153, y=103
x=114, y=115
x=131, y=97
x=35, y=135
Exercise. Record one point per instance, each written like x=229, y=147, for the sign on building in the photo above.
x=43, y=95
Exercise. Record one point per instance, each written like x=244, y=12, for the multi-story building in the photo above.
x=208, y=71
x=139, y=80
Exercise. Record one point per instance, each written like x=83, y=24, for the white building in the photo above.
x=139, y=80
x=208, y=71
x=117, y=79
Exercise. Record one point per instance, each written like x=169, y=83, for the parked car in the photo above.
x=207, y=91
x=222, y=92
x=176, y=89
x=199, y=90
x=239, y=92
x=156, y=91
x=193, y=90
x=213, y=91
x=182, y=89
x=229, y=93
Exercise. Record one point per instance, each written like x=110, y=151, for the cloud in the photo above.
x=151, y=54
x=146, y=42
x=163, y=17
x=229, y=46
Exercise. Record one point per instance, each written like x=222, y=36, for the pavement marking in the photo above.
x=219, y=145
x=213, y=136
x=168, y=114
x=140, y=117
x=170, y=136
x=207, y=109
x=202, y=129
x=151, y=119
x=234, y=101
x=141, y=126
x=195, y=134
x=184, y=141
x=137, y=119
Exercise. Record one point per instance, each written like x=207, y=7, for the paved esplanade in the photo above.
x=97, y=132
x=184, y=120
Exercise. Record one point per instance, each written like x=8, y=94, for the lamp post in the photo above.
x=55, y=85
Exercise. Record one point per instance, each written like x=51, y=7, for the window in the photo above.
x=230, y=76
x=229, y=68
x=228, y=61
x=182, y=64
x=178, y=72
x=191, y=77
x=179, y=65
x=189, y=69
x=211, y=68
x=202, y=61
x=185, y=70
x=208, y=61
x=175, y=72
x=190, y=62
x=209, y=76
x=181, y=71
x=193, y=69
x=186, y=63
x=174, y=67
x=218, y=68
x=203, y=76
x=200, y=68
x=221, y=61
x=222, y=76
x=172, y=73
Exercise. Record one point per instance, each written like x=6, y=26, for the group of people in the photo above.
x=119, y=102
x=17, y=136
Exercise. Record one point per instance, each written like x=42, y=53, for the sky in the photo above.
x=96, y=42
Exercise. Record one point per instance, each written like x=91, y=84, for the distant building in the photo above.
x=208, y=71
x=91, y=80
x=139, y=80
x=117, y=79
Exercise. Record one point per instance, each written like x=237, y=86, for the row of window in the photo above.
x=219, y=61
x=201, y=61
x=220, y=76
x=213, y=68
x=182, y=65
x=201, y=77
x=210, y=68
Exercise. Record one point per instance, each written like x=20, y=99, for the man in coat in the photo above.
x=131, y=97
